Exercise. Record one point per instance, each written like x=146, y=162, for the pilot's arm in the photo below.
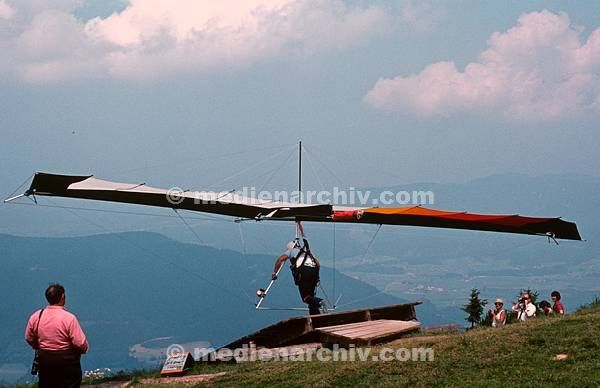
x=278, y=263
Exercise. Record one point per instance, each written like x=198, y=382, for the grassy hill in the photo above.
x=519, y=354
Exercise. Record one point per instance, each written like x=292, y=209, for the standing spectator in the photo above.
x=557, y=308
x=524, y=308
x=499, y=315
x=57, y=337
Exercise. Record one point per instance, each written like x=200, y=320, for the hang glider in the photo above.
x=232, y=204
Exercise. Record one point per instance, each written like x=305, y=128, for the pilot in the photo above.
x=305, y=270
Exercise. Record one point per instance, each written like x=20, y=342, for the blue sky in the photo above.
x=381, y=92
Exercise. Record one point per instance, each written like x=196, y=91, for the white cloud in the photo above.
x=538, y=70
x=152, y=38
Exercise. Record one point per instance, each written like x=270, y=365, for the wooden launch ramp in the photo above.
x=358, y=327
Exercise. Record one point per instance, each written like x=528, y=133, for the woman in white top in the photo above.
x=499, y=315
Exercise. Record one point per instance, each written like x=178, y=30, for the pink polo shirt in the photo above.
x=58, y=330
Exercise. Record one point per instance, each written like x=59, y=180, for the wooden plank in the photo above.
x=369, y=331
x=364, y=329
x=378, y=322
x=372, y=329
x=378, y=333
x=347, y=325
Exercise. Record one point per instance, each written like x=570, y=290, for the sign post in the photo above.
x=177, y=364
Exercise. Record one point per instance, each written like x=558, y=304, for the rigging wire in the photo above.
x=244, y=253
x=275, y=171
x=160, y=257
x=252, y=166
x=203, y=243
x=21, y=185
x=312, y=166
x=251, y=282
x=326, y=167
x=333, y=258
x=365, y=254
x=210, y=157
x=325, y=295
x=257, y=237
x=373, y=239
x=189, y=227
x=205, y=217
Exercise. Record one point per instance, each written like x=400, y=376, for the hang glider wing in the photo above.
x=226, y=203
x=421, y=216
x=231, y=204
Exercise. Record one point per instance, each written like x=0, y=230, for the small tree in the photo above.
x=474, y=308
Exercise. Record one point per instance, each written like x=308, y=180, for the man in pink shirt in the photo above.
x=57, y=337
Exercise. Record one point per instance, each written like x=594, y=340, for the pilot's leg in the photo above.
x=307, y=287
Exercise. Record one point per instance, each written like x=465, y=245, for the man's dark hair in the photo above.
x=557, y=294
x=54, y=292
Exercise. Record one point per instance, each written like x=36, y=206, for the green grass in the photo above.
x=518, y=354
